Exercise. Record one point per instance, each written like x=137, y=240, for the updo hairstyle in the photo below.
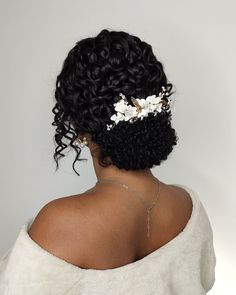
x=93, y=74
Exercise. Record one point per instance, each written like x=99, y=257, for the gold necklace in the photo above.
x=148, y=208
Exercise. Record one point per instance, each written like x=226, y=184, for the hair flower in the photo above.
x=142, y=107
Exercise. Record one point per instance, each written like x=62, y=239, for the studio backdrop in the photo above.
x=195, y=42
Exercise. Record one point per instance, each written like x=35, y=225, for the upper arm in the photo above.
x=46, y=229
x=77, y=233
x=60, y=228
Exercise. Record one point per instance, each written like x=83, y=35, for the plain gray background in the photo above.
x=195, y=40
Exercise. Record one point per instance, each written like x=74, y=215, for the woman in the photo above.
x=131, y=233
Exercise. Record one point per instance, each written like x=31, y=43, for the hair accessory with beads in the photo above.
x=142, y=107
x=80, y=143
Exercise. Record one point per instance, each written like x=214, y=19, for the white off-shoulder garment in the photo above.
x=183, y=266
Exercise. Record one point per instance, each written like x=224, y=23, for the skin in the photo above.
x=105, y=226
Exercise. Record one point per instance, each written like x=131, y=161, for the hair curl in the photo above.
x=94, y=72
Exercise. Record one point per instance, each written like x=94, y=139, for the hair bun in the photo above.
x=140, y=145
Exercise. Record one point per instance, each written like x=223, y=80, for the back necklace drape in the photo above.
x=148, y=208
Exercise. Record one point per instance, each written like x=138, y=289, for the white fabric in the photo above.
x=184, y=266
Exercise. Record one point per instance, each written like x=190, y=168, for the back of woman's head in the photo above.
x=94, y=73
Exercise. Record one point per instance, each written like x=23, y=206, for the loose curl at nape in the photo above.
x=94, y=73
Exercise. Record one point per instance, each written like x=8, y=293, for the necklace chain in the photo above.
x=148, y=208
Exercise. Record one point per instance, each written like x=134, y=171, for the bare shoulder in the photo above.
x=68, y=228
x=182, y=195
x=179, y=205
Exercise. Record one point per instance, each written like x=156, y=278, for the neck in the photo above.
x=112, y=172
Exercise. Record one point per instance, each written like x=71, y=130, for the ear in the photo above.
x=84, y=134
x=94, y=150
x=81, y=135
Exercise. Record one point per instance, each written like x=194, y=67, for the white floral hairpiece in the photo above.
x=142, y=107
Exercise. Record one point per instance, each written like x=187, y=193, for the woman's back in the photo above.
x=184, y=265
x=116, y=233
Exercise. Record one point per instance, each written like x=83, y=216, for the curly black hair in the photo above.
x=94, y=73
